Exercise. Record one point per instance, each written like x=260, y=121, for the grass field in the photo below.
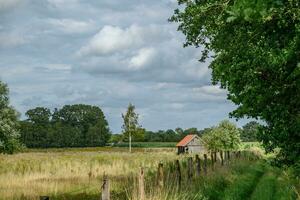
x=76, y=173
x=148, y=144
x=72, y=171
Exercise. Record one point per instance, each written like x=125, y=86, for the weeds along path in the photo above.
x=241, y=180
x=245, y=182
x=274, y=185
x=257, y=181
x=265, y=188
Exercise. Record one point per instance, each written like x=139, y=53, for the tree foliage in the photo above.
x=255, y=46
x=168, y=135
x=9, y=133
x=224, y=137
x=71, y=126
x=131, y=125
x=250, y=131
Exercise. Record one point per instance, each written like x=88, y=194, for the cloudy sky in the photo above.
x=106, y=53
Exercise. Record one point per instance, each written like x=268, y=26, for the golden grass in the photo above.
x=32, y=174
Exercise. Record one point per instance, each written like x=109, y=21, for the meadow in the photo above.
x=77, y=173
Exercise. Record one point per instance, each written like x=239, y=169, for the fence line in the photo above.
x=193, y=167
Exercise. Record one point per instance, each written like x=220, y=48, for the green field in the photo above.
x=76, y=173
x=148, y=144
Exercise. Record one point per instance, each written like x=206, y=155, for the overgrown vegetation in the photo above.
x=255, y=51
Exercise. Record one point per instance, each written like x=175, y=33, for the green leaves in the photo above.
x=225, y=136
x=9, y=133
x=131, y=125
x=71, y=126
x=256, y=56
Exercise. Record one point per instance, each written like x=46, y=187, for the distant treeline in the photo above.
x=248, y=133
x=85, y=126
x=71, y=126
x=161, y=135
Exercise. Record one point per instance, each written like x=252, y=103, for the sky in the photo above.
x=107, y=53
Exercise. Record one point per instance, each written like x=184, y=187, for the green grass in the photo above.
x=148, y=144
x=244, y=183
x=253, y=180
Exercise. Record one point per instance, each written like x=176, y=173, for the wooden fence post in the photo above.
x=190, y=168
x=160, y=176
x=236, y=154
x=205, y=164
x=212, y=160
x=105, y=188
x=142, y=184
x=44, y=198
x=222, y=159
x=178, y=173
x=198, y=165
x=215, y=157
x=228, y=155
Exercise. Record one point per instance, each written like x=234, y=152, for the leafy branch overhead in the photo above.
x=255, y=46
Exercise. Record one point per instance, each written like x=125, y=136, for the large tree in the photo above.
x=9, y=133
x=90, y=120
x=255, y=51
x=224, y=137
x=71, y=126
x=36, y=129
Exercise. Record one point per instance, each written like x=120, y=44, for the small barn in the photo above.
x=190, y=144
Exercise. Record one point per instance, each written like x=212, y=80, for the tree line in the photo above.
x=248, y=133
x=131, y=127
x=82, y=126
x=71, y=126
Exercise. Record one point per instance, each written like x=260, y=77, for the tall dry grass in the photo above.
x=71, y=172
x=77, y=174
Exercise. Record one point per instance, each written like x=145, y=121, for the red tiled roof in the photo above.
x=185, y=140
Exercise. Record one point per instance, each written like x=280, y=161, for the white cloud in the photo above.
x=210, y=89
x=193, y=68
x=142, y=59
x=130, y=54
x=59, y=68
x=177, y=106
x=113, y=39
x=61, y=3
x=72, y=26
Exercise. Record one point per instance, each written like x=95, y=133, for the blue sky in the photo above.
x=107, y=53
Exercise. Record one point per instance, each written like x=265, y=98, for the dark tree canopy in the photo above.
x=250, y=131
x=71, y=126
x=39, y=115
x=255, y=50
